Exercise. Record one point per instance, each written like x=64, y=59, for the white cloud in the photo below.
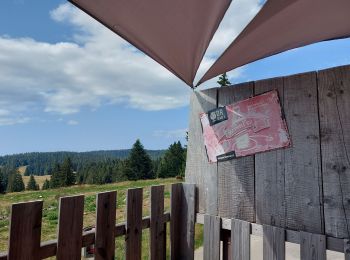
x=72, y=122
x=95, y=68
x=172, y=134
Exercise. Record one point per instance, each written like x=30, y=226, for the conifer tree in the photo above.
x=46, y=185
x=32, y=185
x=56, y=180
x=139, y=163
x=67, y=173
x=2, y=182
x=15, y=183
x=173, y=161
x=223, y=80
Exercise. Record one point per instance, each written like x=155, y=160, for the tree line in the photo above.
x=138, y=165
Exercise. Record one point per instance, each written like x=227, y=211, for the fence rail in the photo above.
x=26, y=218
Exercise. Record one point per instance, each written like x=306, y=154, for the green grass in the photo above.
x=50, y=209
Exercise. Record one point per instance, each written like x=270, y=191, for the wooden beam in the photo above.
x=211, y=245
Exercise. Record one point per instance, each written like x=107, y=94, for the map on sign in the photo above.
x=247, y=127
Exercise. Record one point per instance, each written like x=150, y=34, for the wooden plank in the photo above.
x=291, y=196
x=240, y=237
x=133, y=236
x=198, y=170
x=157, y=225
x=106, y=204
x=347, y=249
x=182, y=221
x=334, y=105
x=312, y=246
x=226, y=244
x=236, y=191
x=273, y=243
x=25, y=230
x=211, y=245
x=70, y=227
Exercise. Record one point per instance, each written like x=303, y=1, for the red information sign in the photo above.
x=247, y=127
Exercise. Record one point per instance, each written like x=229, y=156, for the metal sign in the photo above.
x=247, y=127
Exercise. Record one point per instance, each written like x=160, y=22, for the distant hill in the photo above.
x=42, y=163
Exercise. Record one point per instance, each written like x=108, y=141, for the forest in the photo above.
x=67, y=169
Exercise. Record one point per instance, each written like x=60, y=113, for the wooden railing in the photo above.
x=26, y=218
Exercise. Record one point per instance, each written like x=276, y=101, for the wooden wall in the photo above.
x=305, y=187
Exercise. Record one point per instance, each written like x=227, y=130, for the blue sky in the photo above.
x=67, y=83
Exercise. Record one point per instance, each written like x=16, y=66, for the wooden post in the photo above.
x=274, y=243
x=157, y=224
x=212, y=226
x=312, y=246
x=70, y=228
x=182, y=221
x=106, y=203
x=133, y=236
x=240, y=238
x=25, y=230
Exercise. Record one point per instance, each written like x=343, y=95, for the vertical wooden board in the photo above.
x=133, y=236
x=289, y=181
x=334, y=106
x=312, y=246
x=157, y=224
x=347, y=249
x=105, y=225
x=240, y=237
x=198, y=170
x=273, y=243
x=182, y=221
x=211, y=235
x=269, y=172
x=70, y=228
x=25, y=230
x=303, y=177
x=236, y=197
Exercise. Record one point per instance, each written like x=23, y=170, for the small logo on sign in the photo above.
x=217, y=115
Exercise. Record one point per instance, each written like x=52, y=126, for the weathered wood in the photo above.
x=198, y=169
x=211, y=245
x=347, y=249
x=105, y=222
x=334, y=107
x=240, y=237
x=236, y=191
x=25, y=230
x=157, y=225
x=70, y=228
x=291, y=196
x=133, y=236
x=273, y=243
x=312, y=246
x=182, y=221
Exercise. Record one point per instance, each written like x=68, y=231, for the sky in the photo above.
x=68, y=83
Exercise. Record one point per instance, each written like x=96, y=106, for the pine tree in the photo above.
x=46, y=185
x=139, y=163
x=173, y=162
x=223, y=80
x=56, y=180
x=2, y=182
x=32, y=185
x=67, y=173
x=15, y=183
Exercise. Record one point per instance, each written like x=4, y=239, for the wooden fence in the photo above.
x=26, y=218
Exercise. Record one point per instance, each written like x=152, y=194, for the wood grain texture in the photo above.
x=312, y=246
x=70, y=228
x=236, y=191
x=240, y=237
x=273, y=243
x=211, y=243
x=106, y=204
x=334, y=107
x=198, y=169
x=157, y=224
x=133, y=236
x=289, y=181
x=25, y=230
x=182, y=221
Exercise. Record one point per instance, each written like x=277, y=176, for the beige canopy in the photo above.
x=176, y=33
x=283, y=25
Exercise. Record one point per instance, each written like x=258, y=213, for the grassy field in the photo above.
x=39, y=179
x=50, y=212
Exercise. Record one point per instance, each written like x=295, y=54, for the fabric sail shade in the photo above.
x=283, y=25
x=176, y=33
